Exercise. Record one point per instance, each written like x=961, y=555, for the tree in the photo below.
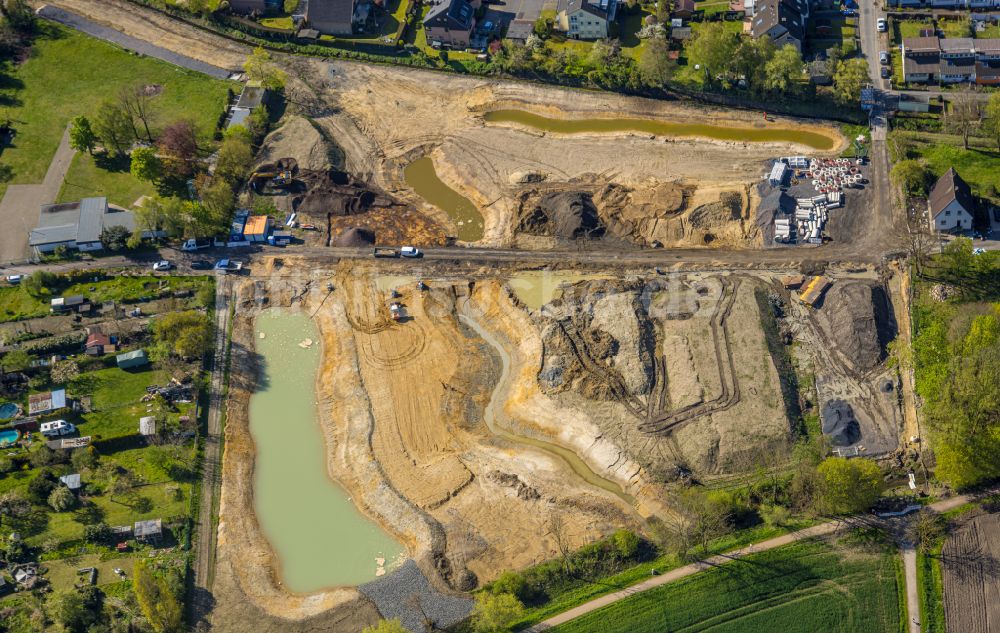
x=156, y=599
x=700, y=518
x=114, y=127
x=217, y=196
x=81, y=135
x=75, y=609
x=62, y=499
x=964, y=115
x=542, y=27
x=916, y=237
x=13, y=505
x=654, y=65
x=15, y=360
x=626, y=543
x=784, y=69
x=145, y=165
x=850, y=76
x=84, y=458
x=97, y=532
x=259, y=67
x=911, y=176
x=19, y=15
x=235, y=159
x=848, y=486
x=179, y=146
x=185, y=334
x=40, y=283
x=64, y=371
x=137, y=103
x=513, y=583
x=749, y=60
x=926, y=530
x=387, y=626
x=712, y=47
x=991, y=122
x=115, y=237
x=495, y=613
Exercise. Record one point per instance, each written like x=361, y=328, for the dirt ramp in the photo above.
x=861, y=322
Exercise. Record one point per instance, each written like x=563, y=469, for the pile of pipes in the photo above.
x=833, y=174
x=811, y=214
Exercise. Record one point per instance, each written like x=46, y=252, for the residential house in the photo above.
x=951, y=204
x=951, y=60
x=78, y=225
x=332, y=17
x=256, y=228
x=450, y=23
x=251, y=97
x=132, y=360
x=683, y=9
x=47, y=402
x=585, y=19
x=149, y=531
x=784, y=21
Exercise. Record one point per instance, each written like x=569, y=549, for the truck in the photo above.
x=195, y=244
x=383, y=251
x=228, y=266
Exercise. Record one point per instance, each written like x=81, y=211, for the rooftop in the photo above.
x=80, y=222
x=949, y=188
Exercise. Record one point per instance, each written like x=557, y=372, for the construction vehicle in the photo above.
x=396, y=310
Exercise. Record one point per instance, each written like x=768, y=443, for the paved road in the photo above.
x=912, y=588
x=127, y=41
x=201, y=604
x=20, y=205
x=733, y=556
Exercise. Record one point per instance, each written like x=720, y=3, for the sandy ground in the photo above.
x=369, y=111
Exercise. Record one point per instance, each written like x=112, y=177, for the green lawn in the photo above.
x=70, y=74
x=910, y=28
x=63, y=573
x=980, y=167
x=991, y=31
x=86, y=178
x=804, y=587
x=712, y=7
x=954, y=28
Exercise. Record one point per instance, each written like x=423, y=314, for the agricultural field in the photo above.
x=70, y=74
x=970, y=565
x=807, y=586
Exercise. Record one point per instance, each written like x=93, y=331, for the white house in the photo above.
x=951, y=204
x=586, y=20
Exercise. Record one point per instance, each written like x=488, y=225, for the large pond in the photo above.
x=319, y=536
x=664, y=128
x=422, y=178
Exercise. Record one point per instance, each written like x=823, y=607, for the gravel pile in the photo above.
x=406, y=594
x=838, y=423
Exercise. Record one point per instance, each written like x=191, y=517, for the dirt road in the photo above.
x=201, y=603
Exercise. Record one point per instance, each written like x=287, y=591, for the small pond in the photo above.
x=8, y=410
x=763, y=134
x=420, y=175
x=321, y=539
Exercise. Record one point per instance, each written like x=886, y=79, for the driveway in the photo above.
x=21, y=203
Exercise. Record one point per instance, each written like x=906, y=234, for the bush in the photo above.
x=62, y=499
x=774, y=515
x=97, y=533
x=626, y=543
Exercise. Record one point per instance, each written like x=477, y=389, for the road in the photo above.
x=205, y=540
x=731, y=557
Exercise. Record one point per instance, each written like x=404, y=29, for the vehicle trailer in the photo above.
x=385, y=252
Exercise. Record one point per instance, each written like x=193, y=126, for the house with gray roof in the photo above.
x=77, y=225
x=784, y=21
x=450, y=23
x=331, y=17
x=586, y=19
x=951, y=204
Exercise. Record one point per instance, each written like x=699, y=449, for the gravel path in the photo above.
x=127, y=41
x=406, y=594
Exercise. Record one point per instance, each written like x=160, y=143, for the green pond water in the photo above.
x=420, y=175
x=662, y=128
x=537, y=287
x=321, y=539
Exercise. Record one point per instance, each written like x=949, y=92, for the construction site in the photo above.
x=487, y=419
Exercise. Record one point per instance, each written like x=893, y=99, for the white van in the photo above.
x=57, y=428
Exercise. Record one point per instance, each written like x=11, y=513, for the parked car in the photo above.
x=883, y=57
x=881, y=25
x=200, y=265
x=886, y=73
x=162, y=265
x=410, y=251
x=228, y=266
x=14, y=279
x=57, y=428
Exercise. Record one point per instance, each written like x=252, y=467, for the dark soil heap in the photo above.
x=568, y=215
x=838, y=423
x=862, y=322
x=355, y=236
x=337, y=193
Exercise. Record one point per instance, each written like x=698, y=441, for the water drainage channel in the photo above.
x=320, y=538
x=813, y=140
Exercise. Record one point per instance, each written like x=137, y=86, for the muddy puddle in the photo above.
x=420, y=175
x=320, y=538
x=536, y=288
x=767, y=134
x=497, y=398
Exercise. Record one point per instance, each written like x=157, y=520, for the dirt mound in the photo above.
x=568, y=215
x=861, y=322
x=728, y=209
x=299, y=140
x=838, y=423
x=657, y=201
x=355, y=236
